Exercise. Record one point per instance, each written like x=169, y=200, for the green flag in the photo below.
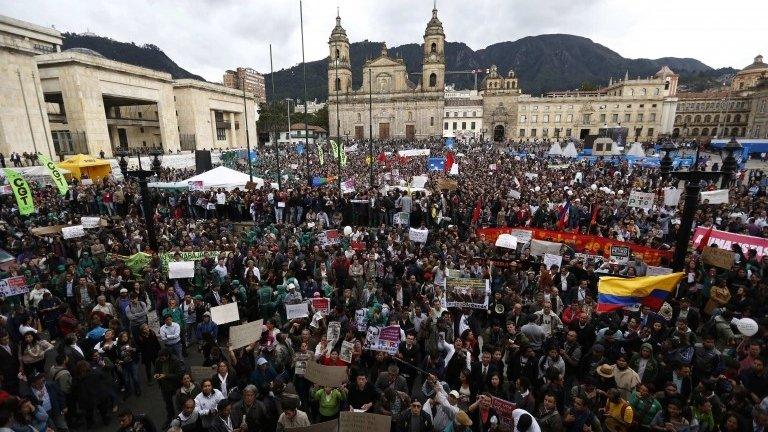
x=21, y=190
x=58, y=178
x=334, y=149
x=137, y=262
x=343, y=157
x=320, y=154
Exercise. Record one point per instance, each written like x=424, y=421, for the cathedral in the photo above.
x=400, y=108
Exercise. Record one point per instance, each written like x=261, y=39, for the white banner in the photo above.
x=298, y=310
x=523, y=236
x=672, y=196
x=414, y=152
x=348, y=186
x=419, y=181
x=514, y=194
x=454, y=168
x=507, y=241
x=181, y=269
x=418, y=235
x=72, y=231
x=719, y=196
x=642, y=200
x=541, y=247
x=90, y=221
x=225, y=314
x=552, y=259
x=245, y=334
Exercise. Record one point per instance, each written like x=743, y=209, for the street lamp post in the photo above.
x=370, y=125
x=247, y=138
x=337, y=85
x=730, y=166
x=666, y=162
x=142, y=176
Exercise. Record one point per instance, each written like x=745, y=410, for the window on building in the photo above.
x=533, y=132
x=221, y=134
x=602, y=118
x=569, y=118
x=463, y=125
x=653, y=117
x=474, y=113
x=546, y=118
x=139, y=114
x=557, y=118
x=141, y=129
x=359, y=118
x=522, y=118
x=585, y=118
x=445, y=125
x=472, y=125
x=337, y=85
x=464, y=114
x=545, y=132
x=521, y=133
x=431, y=121
x=454, y=125
x=447, y=114
x=568, y=133
x=433, y=48
x=534, y=118
x=432, y=79
x=639, y=117
x=455, y=113
x=535, y=107
x=615, y=118
x=627, y=118
x=653, y=106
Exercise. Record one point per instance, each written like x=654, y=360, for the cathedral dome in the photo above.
x=755, y=66
x=434, y=26
x=338, y=34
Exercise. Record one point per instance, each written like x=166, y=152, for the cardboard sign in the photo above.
x=13, y=286
x=466, y=292
x=74, y=231
x=345, y=353
x=200, y=373
x=551, y=259
x=620, y=254
x=90, y=221
x=514, y=194
x=225, y=314
x=351, y=421
x=329, y=426
x=523, y=236
x=86, y=182
x=507, y=241
x=331, y=376
x=642, y=200
x=298, y=310
x=447, y=184
x=321, y=304
x=717, y=257
x=181, y=269
x=541, y=247
x=418, y=235
x=402, y=218
x=245, y=334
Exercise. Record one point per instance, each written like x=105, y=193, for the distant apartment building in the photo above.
x=254, y=82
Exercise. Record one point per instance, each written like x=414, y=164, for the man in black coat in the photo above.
x=414, y=419
x=9, y=364
x=250, y=409
x=483, y=370
x=223, y=421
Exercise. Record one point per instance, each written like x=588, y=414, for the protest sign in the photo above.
x=447, y=184
x=507, y=241
x=334, y=331
x=386, y=339
x=551, y=259
x=419, y=181
x=181, y=269
x=466, y=292
x=345, y=353
x=167, y=257
x=328, y=238
x=301, y=360
x=225, y=314
x=620, y=254
x=321, y=304
x=531, y=176
x=298, y=310
x=332, y=376
x=717, y=257
x=361, y=320
x=401, y=218
x=245, y=334
x=672, y=196
x=200, y=373
x=90, y=221
x=724, y=240
x=504, y=409
x=657, y=271
x=13, y=286
x=328, y=426
x=195, y=185
x=351, y=421
x=642, y=200
x=523, y=236
x=716, y=196
x=348, y=186
x=414, y=152
x=418, y=235
x=48, y=230
x=73, y=231
x=86, y=182
x=514, y=194
x=541, y=247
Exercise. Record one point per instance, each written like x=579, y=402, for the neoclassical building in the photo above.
x=400, y=107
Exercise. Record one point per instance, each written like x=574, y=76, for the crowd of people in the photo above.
x=101, y=321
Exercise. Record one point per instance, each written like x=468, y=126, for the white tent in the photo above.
x=219, y=177
x=555, y=150
x=570, y=151
x=636, y=150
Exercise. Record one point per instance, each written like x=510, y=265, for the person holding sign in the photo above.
x=361, y=394
x=329, y=401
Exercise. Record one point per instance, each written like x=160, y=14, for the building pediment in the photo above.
x=383, y=61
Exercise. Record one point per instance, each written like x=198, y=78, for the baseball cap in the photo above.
x=454, y=393
x=123, y=291
x=261, y=361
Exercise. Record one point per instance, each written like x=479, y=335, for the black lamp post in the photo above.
x=730, y=166
x=143, y=176
x=666, y=162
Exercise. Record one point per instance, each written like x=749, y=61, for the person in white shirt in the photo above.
x=170, y=335
x=207, y=401
x=221, y=269
x=524, y=421
x=104, y=307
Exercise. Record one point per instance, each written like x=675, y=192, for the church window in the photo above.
x=410, y=116
x=337, y=86
x=337, y=53
x=433, y=48
x=359, y=118
x=431, y=121
x=432, y=79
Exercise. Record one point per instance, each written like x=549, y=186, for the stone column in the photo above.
x=233, y=131
x=213, y=129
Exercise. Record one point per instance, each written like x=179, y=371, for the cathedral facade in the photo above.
x=388, y=105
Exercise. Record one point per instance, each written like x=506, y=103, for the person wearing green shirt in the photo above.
x=644, y=404
x=329, y=401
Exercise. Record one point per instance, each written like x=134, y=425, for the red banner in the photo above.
x=590, y=244
x=724, y=240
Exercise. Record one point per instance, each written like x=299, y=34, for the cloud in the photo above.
x=207, y=37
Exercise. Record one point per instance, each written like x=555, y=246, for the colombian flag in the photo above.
x=615, y=292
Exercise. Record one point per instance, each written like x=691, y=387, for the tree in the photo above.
x=321, y=117
x=587, y=86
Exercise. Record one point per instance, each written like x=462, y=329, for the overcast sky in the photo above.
x=207, y=37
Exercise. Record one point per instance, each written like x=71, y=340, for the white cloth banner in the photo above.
x=181, y=269
x=514, y=194
x=90, y=221
x=454, y=168
x=298, y=310
x=225, y=314
x=72, y=231
x=523, y=236
x=507, y=241
x=642, y=200
x=414, y=152
x=672, y=196
x=541, y=247
x=419, y=181
x=552, y=259
x=719, y=196
x=418, y=235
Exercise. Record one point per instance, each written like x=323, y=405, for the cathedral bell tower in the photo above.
x=433, y=67
x=339, y=66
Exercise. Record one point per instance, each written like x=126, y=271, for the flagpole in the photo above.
x=277, y=146
x=370, y=123
x=304, y=68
